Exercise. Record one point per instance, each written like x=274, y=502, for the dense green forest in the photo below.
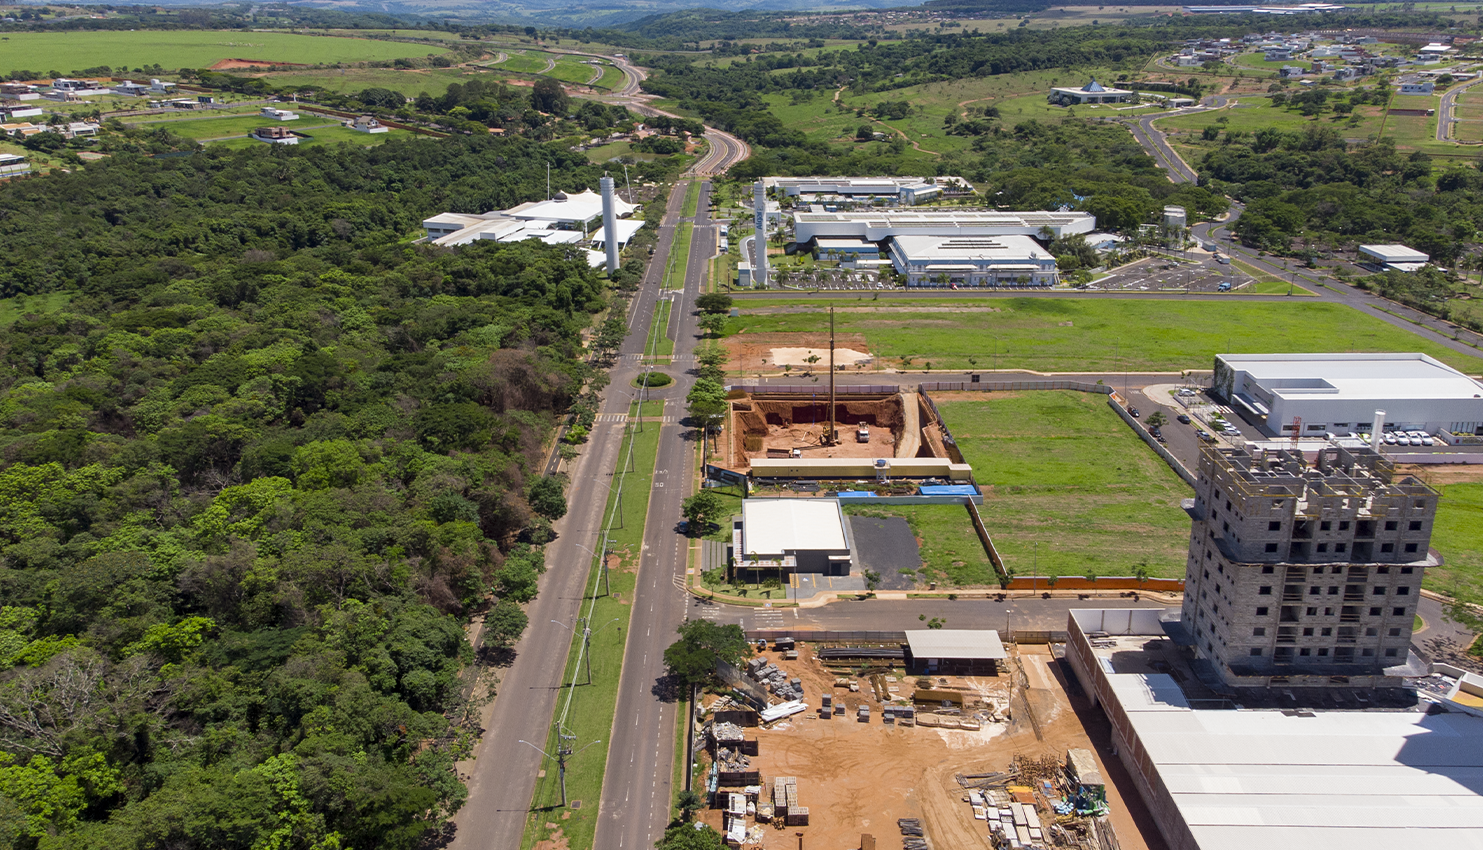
x=257, y=474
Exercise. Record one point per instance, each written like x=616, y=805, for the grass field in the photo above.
x=1458, y=534
x=949, y=547
x=660, y=345
x=216, y=128
x=409, y=83
x=70, y=52
x=1076, y=334
x=1069, y=489
x=1256, y=113
x=679, y=256
x=612, y=78
x=525, y=61
x=692, y=199
x=588, y=709
x=21, y=305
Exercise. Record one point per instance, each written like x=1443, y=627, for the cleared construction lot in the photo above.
x=858, y=778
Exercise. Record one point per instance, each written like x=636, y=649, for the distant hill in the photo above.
x=566, y=13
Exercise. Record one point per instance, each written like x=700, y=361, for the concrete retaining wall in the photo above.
x=1137, y=426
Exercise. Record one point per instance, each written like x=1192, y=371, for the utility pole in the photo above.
x=548, y=181
x=833, y=436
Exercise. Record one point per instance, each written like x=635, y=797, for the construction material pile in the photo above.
x=912, y=836
x=785, y=801
x=774, y=679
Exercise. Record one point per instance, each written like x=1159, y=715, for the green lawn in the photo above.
x=679, y=256
x=660, y=345
x=951, y=552
x=216, y=128
x=350, y=80
x=526, y=61
x=22, y=305
x=692, y=199
x=612, y=78
x=1078, y=334
x=571, y=69
x=1061, y=470
x=588, y=709
x=1458, y=534
x=69, y=52
x=1253, y=113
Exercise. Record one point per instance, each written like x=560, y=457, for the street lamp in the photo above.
x=603, y=561
x=587, y=634
x=1008, y=632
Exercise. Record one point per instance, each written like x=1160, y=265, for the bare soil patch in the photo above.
x=754, y=352
x=1443, y=473
x=229, y=64
x=861, y=777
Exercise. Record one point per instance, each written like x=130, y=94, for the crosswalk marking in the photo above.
x=612, y=417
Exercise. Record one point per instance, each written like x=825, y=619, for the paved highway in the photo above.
x=1447, y=108
x=501, y=778
x=637, y=787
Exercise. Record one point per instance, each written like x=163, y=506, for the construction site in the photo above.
x=835, y=745
x=867, y=425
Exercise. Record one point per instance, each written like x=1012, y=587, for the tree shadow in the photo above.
x=497, y=656
x=667, y=688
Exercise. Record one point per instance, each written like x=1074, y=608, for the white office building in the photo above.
x=1339, y=393
x=880, y=225
x=903, y=191
x=1092, y=92
x=792, y=536
x=1396, y=258
x=973, y=261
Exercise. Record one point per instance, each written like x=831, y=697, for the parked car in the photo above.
x=1205, y=435
x=1155, y=432
x=1426, y=440
x=1133, y=411
x=1183, y=418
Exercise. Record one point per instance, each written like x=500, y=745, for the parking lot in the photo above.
x=1199, y=273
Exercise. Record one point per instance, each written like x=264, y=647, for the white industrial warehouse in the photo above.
x=793, y=536
x=905, y=191
x=1211, y=778
x=973, y=260
x=947, y=247
x=562, y=219
x=1340, y=393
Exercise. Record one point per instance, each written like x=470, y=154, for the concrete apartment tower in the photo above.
x=1306, y=575
x=609, y=224
x=759, y=217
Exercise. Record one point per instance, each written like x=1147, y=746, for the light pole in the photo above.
x=1035, y=566
x=1008, y=632
x=609, y=488
x=603, y=560
x=563, y=751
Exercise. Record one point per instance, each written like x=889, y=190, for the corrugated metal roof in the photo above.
x=955, y=643
x=775, y=526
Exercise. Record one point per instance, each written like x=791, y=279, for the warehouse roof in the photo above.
x=1394, y=253
x=974, y=644
x=1366, y=376
x=971, y=248
x=569, y=209
x=775, y=526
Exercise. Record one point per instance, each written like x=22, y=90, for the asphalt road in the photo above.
x=638, y=786
x=1446, y=110
x=501, y=778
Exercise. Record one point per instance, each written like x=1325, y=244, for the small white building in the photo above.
x=1278, y=54
x=1092, y=92
x=13, y=165
x=1339, y=393
x=21, y=129
x=160, y=86
x=80, y=129
x=792, y=536
x=973, y=261
x=279, y=114
x=129, y=88
x=1395, y=257
x=10, y=112
x=1427, y=87
x=366, y=124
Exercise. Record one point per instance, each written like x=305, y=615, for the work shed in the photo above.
x=960, y=652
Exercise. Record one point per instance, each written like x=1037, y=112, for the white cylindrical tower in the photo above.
x=1377, y=437
x=609, y=224
x=759, y=242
